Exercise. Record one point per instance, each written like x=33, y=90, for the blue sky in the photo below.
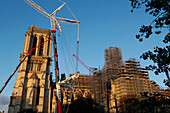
x=103, y=23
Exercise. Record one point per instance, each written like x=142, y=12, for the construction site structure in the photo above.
x=32, y=88
x=115, y=83
x=110, y=87
x=128, y=83
x=113, y=59
x=113, y=62
x=97, y=88
x=157, y=89
x=118, y=81
x=82, y=86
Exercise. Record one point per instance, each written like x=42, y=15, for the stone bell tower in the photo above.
x=32, y=88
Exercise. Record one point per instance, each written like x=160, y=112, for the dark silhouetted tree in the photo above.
x=149, y=103
x=84, y=105
x=160, y=56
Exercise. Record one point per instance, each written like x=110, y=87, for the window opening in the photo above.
x=41, y=47
x=34, y=45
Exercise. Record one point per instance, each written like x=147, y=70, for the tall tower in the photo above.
x=113, y=57
x=32, y=87
x=113, y=63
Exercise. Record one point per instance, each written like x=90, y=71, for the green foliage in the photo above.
x=160, y=10
x=29, y=110
x=84, y=105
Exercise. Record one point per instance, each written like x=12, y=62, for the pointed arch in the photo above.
x=87, y=93
x=78, y=93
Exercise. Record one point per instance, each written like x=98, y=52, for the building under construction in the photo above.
x=82, y=86
x=156, y=89
x=128, y=83
x=113, y=63
x=118, y=81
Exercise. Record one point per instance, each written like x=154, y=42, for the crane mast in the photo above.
x=55, y=55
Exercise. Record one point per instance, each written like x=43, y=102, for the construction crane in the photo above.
x=26, y=55
x=58, y=91
x=54, y=21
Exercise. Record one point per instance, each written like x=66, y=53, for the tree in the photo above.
x=84, y=105
x=148, y=103
x=160, y=56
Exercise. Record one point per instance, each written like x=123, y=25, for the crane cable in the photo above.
x=64, y=56
x=77, y=48
x=68, y=51
x=69, y=9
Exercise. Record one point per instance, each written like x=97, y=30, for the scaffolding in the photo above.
x=113, y=63
x=157, y=89
x=82, y=86
x=128, y=83
x=113, y=59
x=116, y=82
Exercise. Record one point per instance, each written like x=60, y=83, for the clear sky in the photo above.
x=103, y=23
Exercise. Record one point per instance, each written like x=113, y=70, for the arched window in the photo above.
x=34, y=45
x=41, y=47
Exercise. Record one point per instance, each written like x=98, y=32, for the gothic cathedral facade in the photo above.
x=32, y=88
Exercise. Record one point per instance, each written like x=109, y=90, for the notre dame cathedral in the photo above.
x=34, y=87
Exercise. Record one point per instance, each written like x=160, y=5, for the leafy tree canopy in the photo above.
x=84, y=105
x=160, y=56
x=149, y=103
